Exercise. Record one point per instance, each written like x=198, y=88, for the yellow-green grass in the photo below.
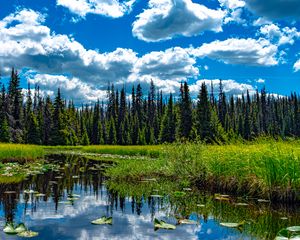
x=264, y=169
x=270, y=170
x=18, y=152
x=151, y=151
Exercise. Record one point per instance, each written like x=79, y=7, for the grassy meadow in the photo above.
x=20, y=152
x=265, y=169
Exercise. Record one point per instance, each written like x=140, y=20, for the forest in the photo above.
x=145, y=118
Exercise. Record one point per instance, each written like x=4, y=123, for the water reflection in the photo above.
x=131, y=206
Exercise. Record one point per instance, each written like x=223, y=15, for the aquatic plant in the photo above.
x=160, y=224
x=103, y=220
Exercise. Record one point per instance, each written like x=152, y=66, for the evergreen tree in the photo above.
x=167, y=132
x=185, y=108
x=203, y=114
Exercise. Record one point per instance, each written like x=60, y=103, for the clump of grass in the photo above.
x=137, y=169
x=270, y=170
x=266, y=169
x=19, y=152
x=151, y=151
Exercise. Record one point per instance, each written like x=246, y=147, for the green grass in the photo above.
x=151, y=151
x=18, y=152
x=265, y=169
x=270, y=170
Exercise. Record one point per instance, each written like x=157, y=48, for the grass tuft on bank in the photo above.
x=20, y=152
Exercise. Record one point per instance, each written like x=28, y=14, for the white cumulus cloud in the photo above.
x=109, y=8
x=28, y=43
x=297, y=66
x=240, y=51
x=275, y=9
x=165, y=19
x=230, y=87
x=280, y=36
x=232, y=4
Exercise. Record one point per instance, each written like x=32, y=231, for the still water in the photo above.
x=133, y=208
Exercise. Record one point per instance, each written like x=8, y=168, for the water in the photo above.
x=132, y=208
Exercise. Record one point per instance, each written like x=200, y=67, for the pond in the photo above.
x=62, y=203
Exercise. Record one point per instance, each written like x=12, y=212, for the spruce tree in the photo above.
x=167, y=132
x=203, y=116
x=185, y=115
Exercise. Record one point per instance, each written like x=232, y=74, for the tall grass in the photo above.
x=151, y=151
x=270, y=170
x=265, y=169
x=20, y=152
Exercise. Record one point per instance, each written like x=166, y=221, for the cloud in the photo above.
x=165, y=68
x=165, y=19
x=72, y=87
x=280, y=36
x=174, y=63
x=240, y=51
x=25, y=42
x=56, y=60
x=234, y=11
x=260, y=80
x=230, y=87
x=275, y=9
x=297, y=66
x=261, y=21
x=232, y=4
x=109, y=8
x=235, y=16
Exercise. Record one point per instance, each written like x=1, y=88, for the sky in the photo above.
x=82, y=46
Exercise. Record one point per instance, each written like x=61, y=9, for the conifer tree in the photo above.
x=185, y=108
x=203, y=114
x=167, y=132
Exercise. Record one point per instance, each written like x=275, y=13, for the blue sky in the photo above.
x=82, y=45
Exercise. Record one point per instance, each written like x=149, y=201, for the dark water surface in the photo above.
x=131, y=206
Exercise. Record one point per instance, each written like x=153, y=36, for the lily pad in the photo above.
x=222, y=197
x=102, y=221
x=66, y=202
x=263, y=201
x=72, y=198
x=157, y=196
x=186, y=221
x=242, y=204
x=20, y=228
x=27, y=191
x=28, y=234
x=74, y=195
x=200, y=205
x=285, y=234
x=232, y=225
x=40, y=195
x=293, y=229
x=9, y=228
x=10, y=192
x=163, y=225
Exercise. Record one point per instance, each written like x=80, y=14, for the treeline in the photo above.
x=150, y=119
